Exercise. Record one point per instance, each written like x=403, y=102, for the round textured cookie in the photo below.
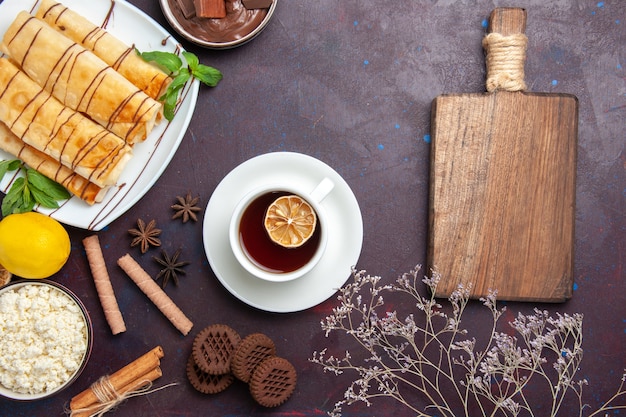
x=213, y=348
x=250, y=352
x=273, y=381
x=204, y=382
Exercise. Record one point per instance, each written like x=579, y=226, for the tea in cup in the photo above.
x=279, y=232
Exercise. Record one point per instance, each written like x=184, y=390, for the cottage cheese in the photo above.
x=43, y=338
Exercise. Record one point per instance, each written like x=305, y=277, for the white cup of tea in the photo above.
x=254, y=249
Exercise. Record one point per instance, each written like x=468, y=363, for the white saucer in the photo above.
x=344, y=241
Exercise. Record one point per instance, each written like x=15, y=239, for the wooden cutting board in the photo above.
x=502, y=187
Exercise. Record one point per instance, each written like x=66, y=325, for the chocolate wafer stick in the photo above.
x=155, y=294
x=103, y=284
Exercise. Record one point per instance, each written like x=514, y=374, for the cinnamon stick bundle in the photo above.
x=155, y=294
x=135, y=375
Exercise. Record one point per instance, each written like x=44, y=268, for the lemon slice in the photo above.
x=290, y=221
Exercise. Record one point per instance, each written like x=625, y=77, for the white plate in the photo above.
x=151, y=157
x=344, y=241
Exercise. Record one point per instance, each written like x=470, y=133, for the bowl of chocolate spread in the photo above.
x=243, y=21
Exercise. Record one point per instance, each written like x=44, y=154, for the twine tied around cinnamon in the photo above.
x=505, y=60
x=107, y=392
x=109, y=397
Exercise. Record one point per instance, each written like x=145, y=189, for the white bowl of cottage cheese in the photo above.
x=45, y=339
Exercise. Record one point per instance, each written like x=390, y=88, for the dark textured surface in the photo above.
x=351, y=83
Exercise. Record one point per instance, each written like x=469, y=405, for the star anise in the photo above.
x=171, y=267
x=186, y=208
x=145, y=235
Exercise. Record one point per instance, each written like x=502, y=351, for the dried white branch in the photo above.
x=429, y=353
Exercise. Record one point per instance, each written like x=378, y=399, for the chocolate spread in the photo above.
x=238, y=22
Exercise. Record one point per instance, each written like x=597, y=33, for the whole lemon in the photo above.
x=33, y=245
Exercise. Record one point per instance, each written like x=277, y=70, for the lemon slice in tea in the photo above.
x=290, y=221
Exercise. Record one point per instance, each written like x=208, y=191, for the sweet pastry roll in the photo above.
x=39, y=161
x=79, y=79
x=121, y=57
x=65, y=135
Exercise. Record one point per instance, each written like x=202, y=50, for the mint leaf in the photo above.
x=167, y=60
x=27, y=196
x=15, y=192
x=179, y=81
x=51, y=189
x=192, y=60
x=170, y=98
x=43, y=199
x=174, y=65
x=207, y=75
x=169, y=104
x=33, y=188
x=18, y=199
x=9, y=165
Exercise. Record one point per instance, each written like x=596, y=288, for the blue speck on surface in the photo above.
x=397, y=126
x=427, y=138
x=381, y=146
x=366, y=62
x=356, y=23
x=600, y=4
x=484, y=23
x=575, y=287
x=555, y=82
